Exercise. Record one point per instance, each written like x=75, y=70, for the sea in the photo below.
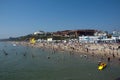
x=18, y=62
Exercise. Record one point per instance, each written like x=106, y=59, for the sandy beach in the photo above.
x=104, y=50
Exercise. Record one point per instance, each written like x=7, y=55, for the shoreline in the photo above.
x=103, y=50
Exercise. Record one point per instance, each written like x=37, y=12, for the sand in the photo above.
x=104, y=50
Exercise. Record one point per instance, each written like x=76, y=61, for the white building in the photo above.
x=100, y=33
x=38, y=32
x=116, y=35
x=88, y=39
x=49, y=39
x=100, y=37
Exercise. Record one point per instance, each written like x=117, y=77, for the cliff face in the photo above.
x=75, y=33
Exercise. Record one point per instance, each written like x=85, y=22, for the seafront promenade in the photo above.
x=105, y=50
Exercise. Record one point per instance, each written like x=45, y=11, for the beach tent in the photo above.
x=32, y=41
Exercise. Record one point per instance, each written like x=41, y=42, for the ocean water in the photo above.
x=27, y=63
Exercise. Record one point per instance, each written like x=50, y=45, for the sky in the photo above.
x=22, y=17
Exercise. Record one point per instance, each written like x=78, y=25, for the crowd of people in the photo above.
x=105, y=50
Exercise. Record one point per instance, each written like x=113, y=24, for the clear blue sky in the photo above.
x=22, y=17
